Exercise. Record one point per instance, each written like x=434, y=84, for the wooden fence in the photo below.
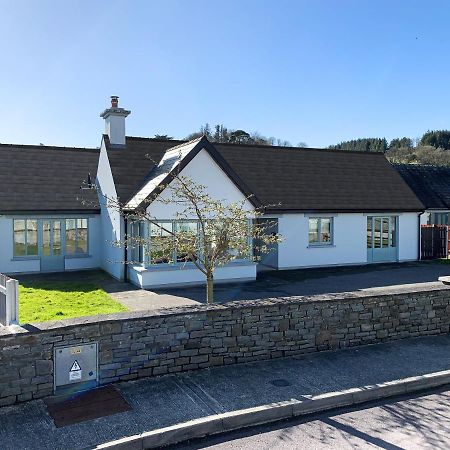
x=9, y=301
x=434, y=241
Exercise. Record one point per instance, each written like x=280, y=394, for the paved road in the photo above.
x=420, y=422
x=163, y=401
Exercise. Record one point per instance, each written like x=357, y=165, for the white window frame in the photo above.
x=320, y=243
x=76, y=254
x=26, y=256
x=146, y=252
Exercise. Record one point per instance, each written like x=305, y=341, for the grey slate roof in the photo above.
x=321, y=179
x=291, y=179
x=430, y=183
x=45, y=179
x=131, y=165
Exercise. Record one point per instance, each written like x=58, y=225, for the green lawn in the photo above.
x=55, y=300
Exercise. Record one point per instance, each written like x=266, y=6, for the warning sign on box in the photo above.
x=76, y=365
x=75, y=371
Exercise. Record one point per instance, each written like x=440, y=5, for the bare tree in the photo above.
x=207, y=232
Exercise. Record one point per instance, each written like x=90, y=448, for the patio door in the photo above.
x=52, y=258
x=382, y=239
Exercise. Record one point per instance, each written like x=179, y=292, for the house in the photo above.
x=431, y=184
x=332, y=207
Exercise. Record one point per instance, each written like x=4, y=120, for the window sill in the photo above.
x=26, y=258
x=187, y=266
x=321, y=246
x=81, y=255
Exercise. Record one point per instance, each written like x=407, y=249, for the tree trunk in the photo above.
x=210, y=288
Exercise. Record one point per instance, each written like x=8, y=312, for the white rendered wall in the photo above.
x=176, y=276
x=408, y=236
x=424, y=218
x=349, y=241
x=115, y=129
x=205, y=171
x=111, y=220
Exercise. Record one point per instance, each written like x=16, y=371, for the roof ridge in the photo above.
x=282, y=147
x=49, y=147
x=142, y=138
x=186, y=143
x=181, y=142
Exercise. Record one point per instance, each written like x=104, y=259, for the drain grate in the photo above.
x=280, y=383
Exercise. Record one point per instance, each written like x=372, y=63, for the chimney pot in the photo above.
x=114, y=101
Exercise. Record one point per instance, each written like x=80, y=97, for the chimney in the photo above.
x=115, y=122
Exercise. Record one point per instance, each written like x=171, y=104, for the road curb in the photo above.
x=220, y=423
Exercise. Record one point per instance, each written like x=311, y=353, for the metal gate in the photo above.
x=434, y=241
x=9, y=300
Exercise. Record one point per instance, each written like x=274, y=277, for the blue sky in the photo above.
x=313, y=71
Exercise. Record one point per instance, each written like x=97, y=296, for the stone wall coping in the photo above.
x=390, y=291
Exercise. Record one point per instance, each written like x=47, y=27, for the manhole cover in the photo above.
x=85, y=406
x=280, y=383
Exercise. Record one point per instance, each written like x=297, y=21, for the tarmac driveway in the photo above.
x=283, y=283
x=318, y=281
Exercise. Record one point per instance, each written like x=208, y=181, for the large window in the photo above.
x=161, y=249
x=188, y=238
x=25, y=237
x=76, y=236
x=320, y=231
x=381, y=232
x=170, y=241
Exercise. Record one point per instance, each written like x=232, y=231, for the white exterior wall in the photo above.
x=424, y=218
x=349, y=240
x=202, y=170
x=408, y=236
x=111, y=221
x=176, y=276
x=9, y=264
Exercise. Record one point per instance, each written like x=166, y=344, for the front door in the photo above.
x=382, y=239
x=268, y=258
x=52, y=258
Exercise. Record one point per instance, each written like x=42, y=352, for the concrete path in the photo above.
x=139, y=299
x=164, y=401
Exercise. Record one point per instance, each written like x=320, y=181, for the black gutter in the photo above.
x=125, y=274
x=42, y=212
x=419, y=231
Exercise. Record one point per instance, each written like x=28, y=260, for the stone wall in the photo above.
x=133, y=345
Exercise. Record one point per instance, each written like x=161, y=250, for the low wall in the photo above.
x=133, y=345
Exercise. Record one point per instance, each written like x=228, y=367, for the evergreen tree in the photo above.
x=403, y=142
x=437, y=139
x=363, y=145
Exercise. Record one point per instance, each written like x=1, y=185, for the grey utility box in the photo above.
x=75, y=368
